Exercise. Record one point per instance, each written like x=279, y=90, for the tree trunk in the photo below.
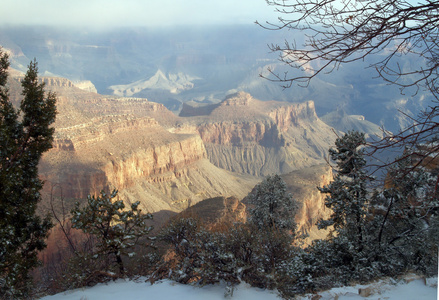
x=120, y=263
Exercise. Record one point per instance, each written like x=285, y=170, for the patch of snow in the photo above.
x=417, y=288
x=166, y=289
x=410, y=288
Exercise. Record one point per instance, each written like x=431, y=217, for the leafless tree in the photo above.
x=339, y=32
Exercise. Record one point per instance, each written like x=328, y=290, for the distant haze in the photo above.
x=117, y=13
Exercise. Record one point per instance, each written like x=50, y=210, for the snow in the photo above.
x=387, y=289
x=141, y=289
x=166, y=289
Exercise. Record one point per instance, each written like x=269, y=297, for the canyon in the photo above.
x=174, y=66
x=301, y=185
x=170, y=162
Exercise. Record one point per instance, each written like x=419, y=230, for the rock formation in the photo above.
x=245, y=135
x=174, y=83
x=168, y=162
x=344, y=122
x=302, y=185
x=127, y=144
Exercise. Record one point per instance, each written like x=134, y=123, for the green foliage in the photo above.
x=25, y=134
x=271, y=205
x=243, y=252
x=382, y=233
x=347, y=193
x=117, y=230
x=405, y=219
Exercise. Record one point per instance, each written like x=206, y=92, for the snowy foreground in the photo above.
x=416, y=289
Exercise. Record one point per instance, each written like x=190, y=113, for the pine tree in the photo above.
x=271, y=205
x=25, y=134
x=116, y=229
x=271, y=218
x=347, y=193
x=406, y=219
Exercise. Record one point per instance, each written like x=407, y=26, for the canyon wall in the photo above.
x=245, y=135
x=301, y=184
x=169, y=162
x=144, y=160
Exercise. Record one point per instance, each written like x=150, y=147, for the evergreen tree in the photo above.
x=117, y=230
x=405, y=223
x=271, y=205
x=25, y=134
x=347, y=193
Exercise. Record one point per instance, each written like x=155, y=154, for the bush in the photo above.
x=116, y=230
x=240, y=253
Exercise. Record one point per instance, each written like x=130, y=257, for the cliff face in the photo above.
x=302, y=185
x=57, y=82
x=294, y=115
x=150, y=162
x=167, y=162
x=231, y=133
x=117, y=153
x=245, y=135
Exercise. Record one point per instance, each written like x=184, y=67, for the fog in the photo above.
x=151, y=13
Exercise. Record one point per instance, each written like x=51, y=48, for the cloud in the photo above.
x=114, y=13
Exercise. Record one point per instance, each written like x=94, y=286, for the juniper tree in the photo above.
x=271, y=217
x=271, y=205
x=117, y=230
x=25, y=134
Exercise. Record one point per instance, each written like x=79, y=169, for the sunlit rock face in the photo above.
x=129, y=144
x=302, y=185
x=170, y=162
x=245, y=135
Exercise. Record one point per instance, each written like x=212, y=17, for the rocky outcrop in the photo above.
x=302, y=185
x=300, y=114
x=167, y=162
x=48, y=81
x=238, y=99
x=86, y=85
x=218, y=211
x=245, y=135
x=57, y=82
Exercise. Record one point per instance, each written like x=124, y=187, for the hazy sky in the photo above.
x=105, y=13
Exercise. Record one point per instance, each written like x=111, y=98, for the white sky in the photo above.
x=109, y=13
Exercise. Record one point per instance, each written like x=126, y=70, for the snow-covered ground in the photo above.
x=416, y=289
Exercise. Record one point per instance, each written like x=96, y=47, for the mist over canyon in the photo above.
x=202, y=64
x=171, y=117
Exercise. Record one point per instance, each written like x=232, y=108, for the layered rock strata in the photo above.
x=168, y=162
x=245, y=135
